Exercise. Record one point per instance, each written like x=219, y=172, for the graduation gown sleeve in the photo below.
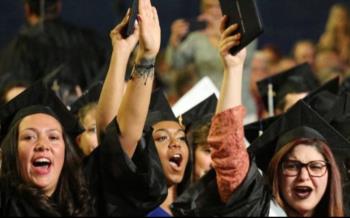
x=234, y=187
x=229, y=155
x=125, y=186
x=251, y=198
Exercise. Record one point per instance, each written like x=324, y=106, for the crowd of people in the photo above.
x=84, y=136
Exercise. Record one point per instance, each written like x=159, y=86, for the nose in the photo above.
x=174, y=143
x=41, y=146
x=304, y=174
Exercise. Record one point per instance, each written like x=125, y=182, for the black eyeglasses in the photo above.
x=315, y=168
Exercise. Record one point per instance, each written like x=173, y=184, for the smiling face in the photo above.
x=170, y=141
x=303, y=192
x=41, y=150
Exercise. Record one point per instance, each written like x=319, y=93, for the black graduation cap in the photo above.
x=345, y=86
x=159, y=109
x=301, y=121
x=10, y=80
x=53, y=79
x=62, y=83
x=323, y=98
x=37, y=99
x=339, y=115
x=295, y=80
x=90, y=96
x=254, y=130
x=199, y=114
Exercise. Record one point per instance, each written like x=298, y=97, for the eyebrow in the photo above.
x=166, y=130
x=36, y=130
x=307, y=162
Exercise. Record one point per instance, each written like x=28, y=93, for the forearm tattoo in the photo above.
x=143, y=70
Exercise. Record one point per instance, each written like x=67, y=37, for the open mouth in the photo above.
x=302, y=192
x=42, y=163
x=176, y=160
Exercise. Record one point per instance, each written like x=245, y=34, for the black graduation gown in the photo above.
x=120, y=186
x=125, y=187
x=252, y=198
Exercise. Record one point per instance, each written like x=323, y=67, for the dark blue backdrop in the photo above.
x=285, y=21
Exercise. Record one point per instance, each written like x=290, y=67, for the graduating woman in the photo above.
x=150, y=136
x=41, y=174
x=40, y=171
x=303, y=175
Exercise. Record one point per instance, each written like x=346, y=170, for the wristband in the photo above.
x=144, y=69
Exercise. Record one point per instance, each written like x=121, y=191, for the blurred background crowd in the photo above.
x=295, y=31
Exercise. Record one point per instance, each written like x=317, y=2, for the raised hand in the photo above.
x=118, y=42
x=229, y=41
x=150, y=34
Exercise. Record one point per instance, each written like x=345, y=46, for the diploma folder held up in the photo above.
x=246, y=14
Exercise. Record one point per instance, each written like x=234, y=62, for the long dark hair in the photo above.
x=71, y=197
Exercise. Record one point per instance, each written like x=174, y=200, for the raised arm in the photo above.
x=231, y=89
x=113, y=87
x=134, y=107
x=226, y=136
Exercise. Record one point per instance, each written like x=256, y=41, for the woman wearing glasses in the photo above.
x=294, y=153
x=305, y=179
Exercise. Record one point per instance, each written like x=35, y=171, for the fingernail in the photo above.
x=138, y=18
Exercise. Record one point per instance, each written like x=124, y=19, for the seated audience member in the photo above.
x=304, y=51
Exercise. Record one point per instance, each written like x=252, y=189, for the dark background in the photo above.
x=285, y=21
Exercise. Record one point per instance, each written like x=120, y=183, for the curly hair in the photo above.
x=71, y=197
